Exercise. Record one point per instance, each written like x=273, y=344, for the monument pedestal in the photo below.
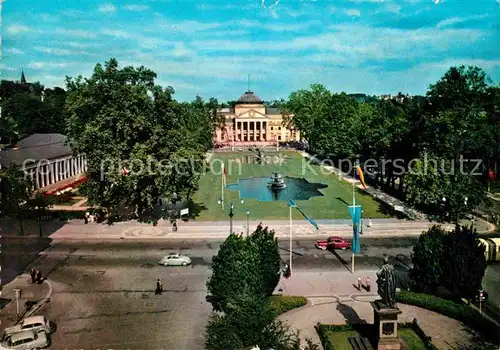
x=386, y=326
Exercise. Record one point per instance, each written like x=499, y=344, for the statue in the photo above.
x=386, y=281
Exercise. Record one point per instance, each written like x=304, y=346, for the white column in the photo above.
x=32, y=175
x=37, y=178
x=56, y=171
x=52, y=172
x=80, y=167
x=66, y=167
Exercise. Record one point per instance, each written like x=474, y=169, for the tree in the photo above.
x=39, y=204
x=249, y=322
x=235, y=271
x=245, y=265
x=464, y=264
x=454, y=260
x=15, y=191
x=270, y=261
x=120, y=119
x=426, y=273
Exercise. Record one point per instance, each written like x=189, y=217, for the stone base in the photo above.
x=389, y=344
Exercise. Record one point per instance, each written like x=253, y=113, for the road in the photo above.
x=103, y=293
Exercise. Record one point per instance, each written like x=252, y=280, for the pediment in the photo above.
x=252, y=114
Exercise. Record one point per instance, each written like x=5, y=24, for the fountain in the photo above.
x=277, y=182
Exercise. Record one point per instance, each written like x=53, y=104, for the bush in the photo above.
x=460, y=312
x=279, y=304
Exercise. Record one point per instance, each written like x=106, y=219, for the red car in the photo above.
x=333, y=242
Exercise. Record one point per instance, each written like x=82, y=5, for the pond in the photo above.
x=257, y=188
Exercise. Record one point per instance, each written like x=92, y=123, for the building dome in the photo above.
x=249, y=98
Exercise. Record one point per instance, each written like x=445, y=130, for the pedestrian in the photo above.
x=38, y=277
x=174, y=227
x=159, y=287
x=32, y=274
x=359, y=283
x=369, y=223
x=368, y=284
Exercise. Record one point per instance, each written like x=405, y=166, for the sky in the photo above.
x=211, y=47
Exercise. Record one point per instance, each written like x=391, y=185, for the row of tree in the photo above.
x=28, y=108
x=458, y=117
x=245, y=272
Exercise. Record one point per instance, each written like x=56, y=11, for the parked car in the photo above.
x=33, y=323
x=26, y=340
x=175, y=259
x=333, y=242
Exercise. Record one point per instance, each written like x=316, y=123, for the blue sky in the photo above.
x=209, y=47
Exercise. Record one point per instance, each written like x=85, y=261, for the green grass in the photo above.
x=411, y=339
x=284, y=303
x=335, y=337
x=333, y=205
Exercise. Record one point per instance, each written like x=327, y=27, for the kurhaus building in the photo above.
x=47, y=160
x=250, y=122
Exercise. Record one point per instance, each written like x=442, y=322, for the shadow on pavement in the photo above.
x=350, y=315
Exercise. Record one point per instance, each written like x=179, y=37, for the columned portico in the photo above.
x=50, y=172
x=251, y=122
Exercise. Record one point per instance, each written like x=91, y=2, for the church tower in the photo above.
x=23, y=78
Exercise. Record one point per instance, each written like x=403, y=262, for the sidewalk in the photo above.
x=220, y=230
x=39, y=293
x=333, y=298
x=446, y=333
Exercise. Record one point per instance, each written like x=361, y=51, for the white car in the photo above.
x=33, y=323
x=175, y=259
x=26, y=340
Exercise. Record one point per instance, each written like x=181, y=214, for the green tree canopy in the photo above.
x=245, y=265
x=120, y=119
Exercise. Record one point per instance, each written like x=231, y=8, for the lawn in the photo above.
x=333, y=205
x=337, y=337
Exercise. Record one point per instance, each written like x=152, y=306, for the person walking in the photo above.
x=32, y=274
x=359, y=283
x=159, y=287
x=369, y=223
x=368, y=284
x=38, y=277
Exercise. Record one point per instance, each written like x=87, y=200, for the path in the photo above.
x=446, y=332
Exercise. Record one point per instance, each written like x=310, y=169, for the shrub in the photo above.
x=280, y=304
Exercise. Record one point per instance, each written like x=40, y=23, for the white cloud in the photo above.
x=393, y=8
x=42, y=65
x=136, y=7
x=275, y=27
x=7, y=68
x=353, y=12
x=17, y=28
x=48, y=18
x=107, y=8
x=117, y=33
x=186, y=26
x=454, y=20
x=87, y=34
x=14, y=51
x=73, y=13
x=56, y=51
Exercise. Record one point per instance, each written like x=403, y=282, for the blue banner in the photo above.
x=355, y=212
x=291, y=203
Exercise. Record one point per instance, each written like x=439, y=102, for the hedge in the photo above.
x=284, y=303
x=461, y=312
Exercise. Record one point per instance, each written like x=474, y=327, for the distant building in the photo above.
x=250, y=122
x=46, y=159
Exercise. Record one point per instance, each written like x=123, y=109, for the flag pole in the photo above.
x=354, y=211
x=290, y=238
x=222, y=188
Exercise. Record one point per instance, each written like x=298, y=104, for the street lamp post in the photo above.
x=248, y=224
x=17, y=292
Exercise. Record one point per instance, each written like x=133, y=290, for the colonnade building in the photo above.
x=47, y=160
x=250, y=122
